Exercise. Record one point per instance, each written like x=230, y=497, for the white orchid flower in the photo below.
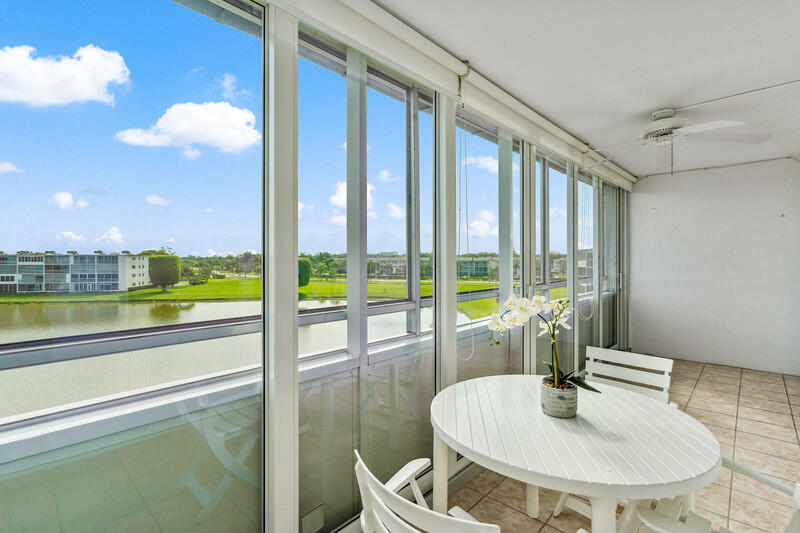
x=516, y=318
x=522, y=307
x=547, y=307
x=539, y=300
x=511, y=301
x=496, y=323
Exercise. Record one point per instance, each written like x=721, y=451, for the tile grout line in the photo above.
x=735, y=431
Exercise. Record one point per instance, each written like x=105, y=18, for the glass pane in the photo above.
x=322, y=195
x=558, y=269
x=199, y=471
x=610, y=264
x=585, y=306
x=425, y=120
x=141, y=154
x=539, y=230
x=129, y=171
x=387, y=262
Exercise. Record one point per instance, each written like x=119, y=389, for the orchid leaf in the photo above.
x=580, y=382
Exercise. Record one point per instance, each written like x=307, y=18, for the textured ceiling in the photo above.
x=598, y=69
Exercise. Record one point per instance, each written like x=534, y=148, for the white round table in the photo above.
x=620, y=445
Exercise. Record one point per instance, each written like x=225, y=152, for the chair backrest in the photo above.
x=644, y=374
x=388, y=512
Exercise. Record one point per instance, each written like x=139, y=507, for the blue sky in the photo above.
x=126, y=159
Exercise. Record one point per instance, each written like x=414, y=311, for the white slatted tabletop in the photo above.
x=620, y=445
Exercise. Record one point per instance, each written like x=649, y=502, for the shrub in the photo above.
x=217, y=275
x=303, y=271
x=164, y=270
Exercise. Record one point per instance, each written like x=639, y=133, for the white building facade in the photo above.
x=28, y=272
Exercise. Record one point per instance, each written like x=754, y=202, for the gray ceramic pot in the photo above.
x=559, y=403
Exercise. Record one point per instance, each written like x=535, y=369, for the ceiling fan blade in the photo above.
x=742, y=138
x=664, y=155
x=707, y=126
x=629, y=147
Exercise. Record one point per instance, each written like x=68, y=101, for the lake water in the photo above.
x=33, y=321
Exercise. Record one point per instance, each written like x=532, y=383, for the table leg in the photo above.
x=604, y=515
x=533, y=500
x=440, y=453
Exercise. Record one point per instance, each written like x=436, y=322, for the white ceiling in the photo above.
x=598, y=69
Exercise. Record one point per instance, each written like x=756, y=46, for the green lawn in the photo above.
x=215, y=289
x=250, y=289
x=379, y=289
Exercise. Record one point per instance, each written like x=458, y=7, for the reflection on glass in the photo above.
x=586, y=304
x=197, y=472
x=610, y=264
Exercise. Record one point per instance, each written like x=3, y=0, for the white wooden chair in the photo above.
x=644, y=374
x=385, y=511
x=666, y=516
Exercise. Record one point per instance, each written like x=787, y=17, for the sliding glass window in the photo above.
x=322, y=196
x=366, y=390
x=131, y=266
x=488, y=262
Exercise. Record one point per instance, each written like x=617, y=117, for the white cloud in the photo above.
x=64, y=200
x=484, y=225
x=154, y=199
x=219, y=124
x=486, y=215
x=208, y=210
x=339, y=198
x=557, y=211
x=386, y=177
x=395, y=211
x=485, y=162
x=338, y=220
x=303, y=207
x=372, y=214
x=212, y=252
x=8, y=168
x=44, y=81
x=112, y=236
x=70, y=236
x=228, y=84
x=191, y=153
x=171, y=240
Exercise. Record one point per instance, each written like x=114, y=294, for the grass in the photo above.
x=214, y=290
x=379, y=289
x=232, y=289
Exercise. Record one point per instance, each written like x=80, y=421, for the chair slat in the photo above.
x=659, y=395
x=628, y=358
x=628, y=374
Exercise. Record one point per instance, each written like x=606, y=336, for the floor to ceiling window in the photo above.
x=132, y=266
x=487, y=260
x=369, y=386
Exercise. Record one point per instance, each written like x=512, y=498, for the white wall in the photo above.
x=715, y=266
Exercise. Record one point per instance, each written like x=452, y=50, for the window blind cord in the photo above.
x=465, y=174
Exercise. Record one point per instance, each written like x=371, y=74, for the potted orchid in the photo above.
x=559, y=391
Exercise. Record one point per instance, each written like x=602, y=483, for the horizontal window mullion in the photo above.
x=103, y=345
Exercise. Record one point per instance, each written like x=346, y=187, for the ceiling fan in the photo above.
x=665, y=128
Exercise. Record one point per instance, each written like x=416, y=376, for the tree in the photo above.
x=245, y=262
x=164, y=270
x=303, y=271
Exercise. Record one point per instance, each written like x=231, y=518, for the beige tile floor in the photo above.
x=756, y=417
